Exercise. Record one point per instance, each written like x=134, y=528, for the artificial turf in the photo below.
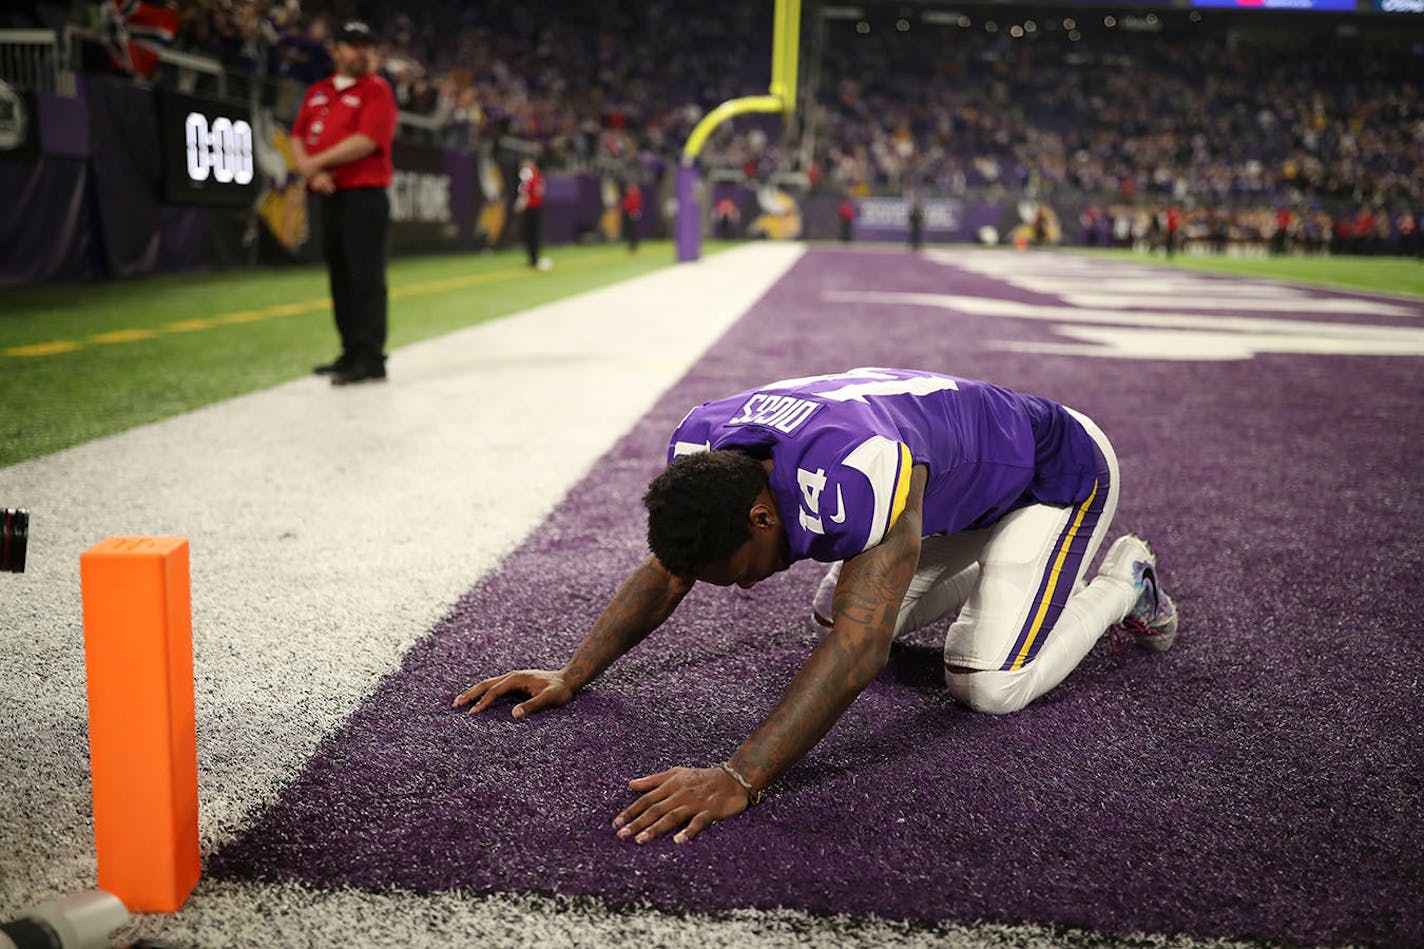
x=1258, y=781
x=78, y=362
x=169, y=344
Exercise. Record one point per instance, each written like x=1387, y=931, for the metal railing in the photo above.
x=35, y=60
x=186, y=72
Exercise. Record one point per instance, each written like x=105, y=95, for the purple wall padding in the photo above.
x=128, y=175
x=47, y=228
x=64, y=126
x=463, y=167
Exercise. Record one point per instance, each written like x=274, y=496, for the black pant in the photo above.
x=530, y=222
x=630, y=229
x=356, y=227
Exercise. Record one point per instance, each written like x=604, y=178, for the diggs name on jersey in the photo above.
x=785, y=413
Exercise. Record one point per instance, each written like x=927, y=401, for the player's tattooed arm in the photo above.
x=642, y=603
x=867, y=602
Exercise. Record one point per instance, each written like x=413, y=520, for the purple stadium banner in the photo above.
x=889, y=218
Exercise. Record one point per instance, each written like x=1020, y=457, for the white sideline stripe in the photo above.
x=329, y=530
x=283, y=915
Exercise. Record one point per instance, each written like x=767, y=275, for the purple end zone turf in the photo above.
x=1261, y=779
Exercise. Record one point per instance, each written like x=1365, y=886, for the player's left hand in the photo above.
x=689, y=798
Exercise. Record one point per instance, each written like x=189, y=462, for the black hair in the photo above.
x=698, y=506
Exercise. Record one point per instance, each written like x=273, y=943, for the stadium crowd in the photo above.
x=1243, y=132
x=1327, y=150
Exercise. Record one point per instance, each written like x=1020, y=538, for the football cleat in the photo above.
x=1152, y=622
x=822, y=603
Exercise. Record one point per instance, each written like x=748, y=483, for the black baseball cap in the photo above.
x=355, y=31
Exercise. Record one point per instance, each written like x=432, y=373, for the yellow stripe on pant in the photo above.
x=1054, y=575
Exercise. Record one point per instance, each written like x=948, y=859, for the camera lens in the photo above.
x=14, y=535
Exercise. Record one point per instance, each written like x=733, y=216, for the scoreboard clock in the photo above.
x=207, y=151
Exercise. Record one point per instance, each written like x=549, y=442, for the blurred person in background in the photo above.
x=632, y=213
x=1174, y=230
x=1281, y=234
x=300, y=53
x=1409, y=243
x=341, y=142
x=529, y=205
x=727, y=217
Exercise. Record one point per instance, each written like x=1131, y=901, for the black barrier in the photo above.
x=422, y=208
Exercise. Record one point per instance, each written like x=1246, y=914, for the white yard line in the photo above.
x=329, y=530
x=245, y=914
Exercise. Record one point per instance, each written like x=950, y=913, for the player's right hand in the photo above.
x=545, y=690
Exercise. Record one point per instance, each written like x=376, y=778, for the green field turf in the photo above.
x=1398, y=275
x=81, y=361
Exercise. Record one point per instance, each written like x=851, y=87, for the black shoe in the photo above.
x=340, y=364
x=354, y=374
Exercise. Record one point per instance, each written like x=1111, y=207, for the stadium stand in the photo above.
x=1250, y=132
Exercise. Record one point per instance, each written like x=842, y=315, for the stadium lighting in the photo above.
x=862, y=27
x=1030, y=27
x=902, y=25
x=1070, y=24
x=991, y=27
x=1074, y=35
x=1016, y=31
x=1109, y=21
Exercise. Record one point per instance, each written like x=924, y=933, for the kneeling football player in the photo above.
x=930, y=497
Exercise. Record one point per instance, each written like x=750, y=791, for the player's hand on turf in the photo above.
x=688, y=800
x=545, y=690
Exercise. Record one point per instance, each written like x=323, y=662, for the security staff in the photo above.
x=632, y=214
x=341, y=142
x=529, y=205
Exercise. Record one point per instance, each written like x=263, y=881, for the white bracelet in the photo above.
x=753, y=796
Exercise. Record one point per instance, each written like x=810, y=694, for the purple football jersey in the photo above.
x=842, y=447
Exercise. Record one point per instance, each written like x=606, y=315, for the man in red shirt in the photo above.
x=529, y=205
x=632, y=213
x=341, y=142
x=846, y=213
x=727, y=216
